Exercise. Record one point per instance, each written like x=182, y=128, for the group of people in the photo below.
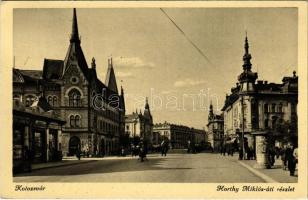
x=288, y=154
x=289, y=157
x=139, y=150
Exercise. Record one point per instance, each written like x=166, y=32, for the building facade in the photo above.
x=94, y=111
x=37, y=131
x=258, y=107
x=140, y=125
x=179, y=135
x=215, y=128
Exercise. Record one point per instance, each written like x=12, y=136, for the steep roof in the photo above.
x=29, y=76
x=52, y=69
x=110, y=77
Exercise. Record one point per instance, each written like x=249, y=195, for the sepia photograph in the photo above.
x=159, y=94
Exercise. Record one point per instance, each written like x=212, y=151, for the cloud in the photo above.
x=132, y=62
x=188, y=82
x=124, y=74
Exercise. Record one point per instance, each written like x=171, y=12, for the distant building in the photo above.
x=215, y=130
x=94, y=111
x=261, y=107
x=140, y=125
x=179, y=135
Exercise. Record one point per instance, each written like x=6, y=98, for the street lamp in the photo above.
x=243, y=128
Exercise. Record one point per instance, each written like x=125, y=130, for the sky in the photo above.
x=153, y=59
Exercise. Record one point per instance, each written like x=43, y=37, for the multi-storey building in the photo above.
x=179, y=135
x=260, y=107
x=215, y=130
x=94, y=111
x=140, y=125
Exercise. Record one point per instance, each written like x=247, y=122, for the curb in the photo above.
x=266, y=178
x=70, y=164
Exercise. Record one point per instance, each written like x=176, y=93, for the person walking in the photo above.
x=162, y=148
x=290, y=159
x=142, y=151
x=295, y=155
x=283, y=157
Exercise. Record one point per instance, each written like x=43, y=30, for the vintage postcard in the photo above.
x=153, y=99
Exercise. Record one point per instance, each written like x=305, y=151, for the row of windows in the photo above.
x=52, y=100
x=75, y=121
x=273, y=108
x=104, y=126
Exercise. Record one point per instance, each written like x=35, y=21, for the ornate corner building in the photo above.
x=140, y=125
x=94, y=111
x=258, y=107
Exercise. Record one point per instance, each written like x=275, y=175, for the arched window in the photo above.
x=77, y=121
x=49, y=99
x=54, y=101
x=29, y=100
x=74, y=98
x=266, y=108
x=72, y=121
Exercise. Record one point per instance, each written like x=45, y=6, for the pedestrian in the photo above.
x=240, y=155
x=188, y=146
x=162, y=147
x=273, y=154
x=141, y=151
x=295, y=154
x=78, y=153
x=291, y=159
x=283, y=157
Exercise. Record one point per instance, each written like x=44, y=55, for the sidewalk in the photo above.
x=275, y=174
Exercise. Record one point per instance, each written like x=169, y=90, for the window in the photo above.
x=280, y=108
x=29, y=100
x=72, y=121
x=77, y=121
x=54, y=101
x=74, y=98
x=49, y=100
x=266, y=108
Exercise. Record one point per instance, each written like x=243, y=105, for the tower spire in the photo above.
x=247, y=56
x=75, y=34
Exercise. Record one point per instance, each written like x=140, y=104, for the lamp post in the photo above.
x=243, y=128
